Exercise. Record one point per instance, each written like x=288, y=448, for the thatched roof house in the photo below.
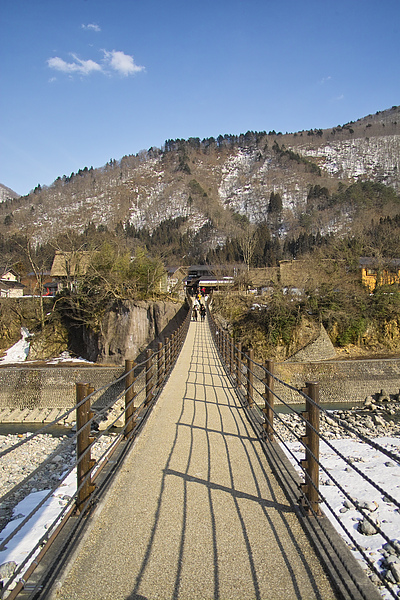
x=70, y=264
x=67, y=267
x=263, y=277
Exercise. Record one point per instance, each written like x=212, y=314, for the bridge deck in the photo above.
x=195, y=512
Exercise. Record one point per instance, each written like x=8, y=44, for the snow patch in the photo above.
x=19, y=351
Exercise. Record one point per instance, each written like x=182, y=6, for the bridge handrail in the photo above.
x=254, y=383
x=145, y=380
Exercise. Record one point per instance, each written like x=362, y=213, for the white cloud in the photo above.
x=325, y=79
x=83, y=67
x=92, y=27
x=123, y=63
x=116, y=61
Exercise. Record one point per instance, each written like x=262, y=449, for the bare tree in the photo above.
x=247, y=240
x=39, y=269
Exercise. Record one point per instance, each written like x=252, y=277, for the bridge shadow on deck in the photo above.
x=215, y=415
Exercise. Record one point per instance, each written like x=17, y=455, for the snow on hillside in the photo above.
x=6, y=193
x=376, y=158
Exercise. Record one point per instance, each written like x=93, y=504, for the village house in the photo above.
x=376, y=272
x=292, y=276
x=67, y=267
x=10, y=285
x=263, y=279
x=39, y=283
x=207, y=278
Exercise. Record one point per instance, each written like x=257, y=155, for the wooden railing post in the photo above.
x=269, y=398
x=129, y=396
x=173, y=347
x=250, y=376
x=160, y=364
x=149, y=376
x=232, y=356
x=178, y=340
x=227, y=350
x=166, y=355
x=239, y=364
x=83, y=441
x=311, y=441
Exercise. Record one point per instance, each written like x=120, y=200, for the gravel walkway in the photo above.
x=195, y=512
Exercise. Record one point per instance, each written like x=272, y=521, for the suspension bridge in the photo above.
x=196, y=510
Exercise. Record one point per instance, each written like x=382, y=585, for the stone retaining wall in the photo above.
x=340, y=380
x=317, y=350
x=54, y=387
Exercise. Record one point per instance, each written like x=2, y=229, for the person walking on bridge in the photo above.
x=202, y=312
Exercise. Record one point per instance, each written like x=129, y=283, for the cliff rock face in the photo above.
x=376, y=158
x=130, y=327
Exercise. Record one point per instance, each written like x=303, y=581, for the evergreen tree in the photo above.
x=275, y=203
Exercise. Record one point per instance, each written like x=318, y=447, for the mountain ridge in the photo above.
x=7, y=194
x=210, y=181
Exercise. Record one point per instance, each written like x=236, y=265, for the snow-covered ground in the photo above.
x=30, y=533
x=19, y=351
x=382, y=471
x=55, y=504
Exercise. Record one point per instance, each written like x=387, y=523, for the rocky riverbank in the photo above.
x=379, y=417
x=18, y=464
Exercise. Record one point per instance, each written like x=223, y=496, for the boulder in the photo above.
x=395, y=570
x=384, y=396
x=129, y=328
x=367, y=505
x=7, y=570
x=368, y=401
x=379, y=421
x=367, y=528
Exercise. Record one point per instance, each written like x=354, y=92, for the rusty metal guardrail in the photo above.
x=255, y=384
x=142, y=383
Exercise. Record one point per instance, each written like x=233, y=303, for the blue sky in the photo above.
x=84, y=81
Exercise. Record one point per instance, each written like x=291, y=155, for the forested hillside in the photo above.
x=193, y=198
